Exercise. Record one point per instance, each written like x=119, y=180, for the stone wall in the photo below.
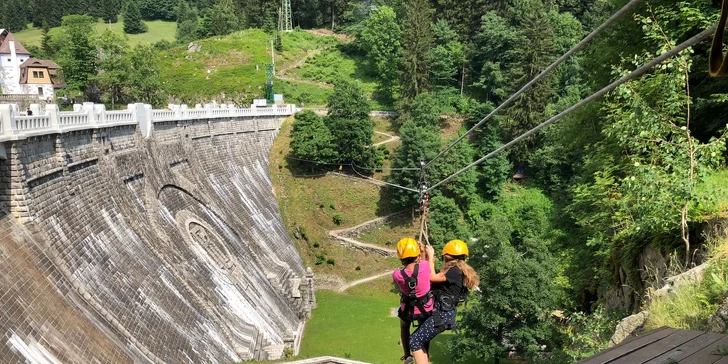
x=121, y=244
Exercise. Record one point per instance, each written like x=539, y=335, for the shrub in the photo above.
x=357, y=268
x=288, y=353
x=302, y=230
x=338, y=219
x=316, y=244
x=331, y=261
x=320, y=259
x=331, y=206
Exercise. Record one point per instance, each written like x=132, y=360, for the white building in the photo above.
x=22, y=75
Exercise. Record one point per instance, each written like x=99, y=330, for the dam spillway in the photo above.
x=145, y=235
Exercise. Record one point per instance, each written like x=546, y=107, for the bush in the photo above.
x=302, y=230
x=331, y=261
x=357, y=268
x=338, y=219
x=316, y=244
x=320, y=259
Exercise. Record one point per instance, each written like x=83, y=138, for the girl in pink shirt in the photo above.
x=413, y=282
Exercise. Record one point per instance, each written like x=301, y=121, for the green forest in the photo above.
x=641, y=170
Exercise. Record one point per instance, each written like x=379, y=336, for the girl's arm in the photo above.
x=434, y=276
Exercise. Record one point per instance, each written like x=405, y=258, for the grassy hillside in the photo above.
x=234, y=67
x=158, y=30
x=309, y=199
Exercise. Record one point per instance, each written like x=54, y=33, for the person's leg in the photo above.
x=404, y=336
x=427, y=345
x=420, y=339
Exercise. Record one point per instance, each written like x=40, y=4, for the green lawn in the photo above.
x=359, y=327
x=158, y=30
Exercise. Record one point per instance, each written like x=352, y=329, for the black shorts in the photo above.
x=420, y=317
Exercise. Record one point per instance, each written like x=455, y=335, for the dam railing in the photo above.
x=14, y=125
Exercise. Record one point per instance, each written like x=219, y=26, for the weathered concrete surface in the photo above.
x=115, y=248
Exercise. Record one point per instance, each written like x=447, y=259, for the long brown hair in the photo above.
x=470, y=277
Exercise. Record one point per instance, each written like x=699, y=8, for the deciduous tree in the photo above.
x=311, y=138
x=381, y=40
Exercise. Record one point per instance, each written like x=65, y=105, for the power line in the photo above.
x=637, y=73
x=541, y=75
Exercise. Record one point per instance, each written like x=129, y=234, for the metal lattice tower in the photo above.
x=269, y=94
x=286, y=16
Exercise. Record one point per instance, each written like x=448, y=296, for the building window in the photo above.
x=10, y=60
x=40, y=91
x=35, y=74
x=38, y=74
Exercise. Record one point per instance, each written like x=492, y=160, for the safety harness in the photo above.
x=447, y=302
x=411, y=300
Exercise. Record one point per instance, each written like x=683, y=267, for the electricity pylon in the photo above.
x=286, y=17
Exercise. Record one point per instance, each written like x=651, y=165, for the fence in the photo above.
x=14, y=126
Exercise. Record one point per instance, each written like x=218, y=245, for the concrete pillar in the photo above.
x=7, y=114
x=88, y=108
x=143, y=119
x=36, y=109
x=100, y=111
x=53, y=113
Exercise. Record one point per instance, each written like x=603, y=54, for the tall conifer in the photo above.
x=133, y=23
x=416, y=47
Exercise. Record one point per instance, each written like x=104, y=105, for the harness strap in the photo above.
x=411, y=300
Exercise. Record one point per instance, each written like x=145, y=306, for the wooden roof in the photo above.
x=667, y=346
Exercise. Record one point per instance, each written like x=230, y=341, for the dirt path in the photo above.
x=392, y=138
x=343, y=288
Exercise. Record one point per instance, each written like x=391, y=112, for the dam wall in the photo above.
x=145, y=235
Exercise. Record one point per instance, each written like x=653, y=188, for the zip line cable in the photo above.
x=385, y=169
x=382, y=182
x=343, y=164
x=541, y=75
x=637, y=73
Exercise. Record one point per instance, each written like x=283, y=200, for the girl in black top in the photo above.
x=453, y=282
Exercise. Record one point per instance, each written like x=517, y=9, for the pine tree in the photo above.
x=14, y=15
x=110, y=10
x=45, y=42
x=133, y=23
x=416, y=46
x=186, y=23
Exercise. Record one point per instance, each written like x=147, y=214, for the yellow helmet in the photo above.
x=408, y=248
x=455, y=248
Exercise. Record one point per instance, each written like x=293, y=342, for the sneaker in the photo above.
x=408, y=360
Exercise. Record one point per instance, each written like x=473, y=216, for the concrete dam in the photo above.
x=145, y=235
